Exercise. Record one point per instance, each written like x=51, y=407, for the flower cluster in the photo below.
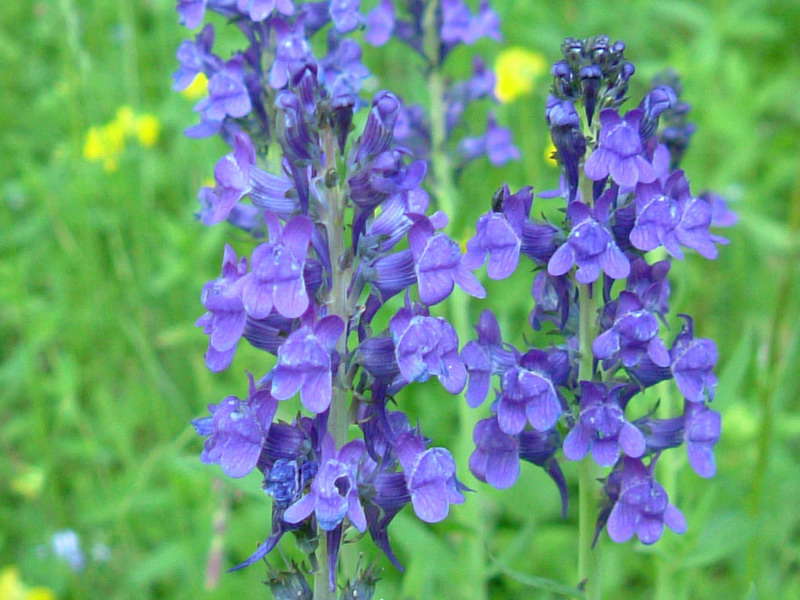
x=625, y=197
x=340, y=225
x=456, y=25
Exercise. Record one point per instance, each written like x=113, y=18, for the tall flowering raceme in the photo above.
x=340, y=225
x=596, y=281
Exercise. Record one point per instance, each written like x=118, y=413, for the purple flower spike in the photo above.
x=496, y=457
x=426, y=346
x=693, y=361
x=304, y=364
x=527, y=396
x=619, y=152
x=643, y=506
x=236, y=431
x=380, y=23
x=232, y=176
x=261, y=9
x=191, y=12
x=702, y=431
x=227, y=93
x=277, y=270
x=334, y=491
x=499, y=234
x=430, y=477
x=602, y=428
x=439, y=265
x=591, y=246
x=225, y=320
x=633, y=335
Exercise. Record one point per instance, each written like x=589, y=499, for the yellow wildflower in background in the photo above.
x=107, y=142
x=516, y=69
x=147, y=129
x=12, y=588
x=198, y=88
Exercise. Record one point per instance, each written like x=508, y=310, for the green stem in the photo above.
x=339, y=305
x=588, y=571
x=447, y=196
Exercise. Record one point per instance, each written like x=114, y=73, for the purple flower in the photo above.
x=380, y=23
x=633, y=335
x=261, y=9
x=195, y=57
x=668, y=215
x=459, y=25
x=499, y=234
x=702, y=431
x=304, y=364
x=651, y=285
x=497, y=144
x=602, y=427
x=379, y=128
x=693, y=361
x=430, y=476
x=528, y=395
x=426, y=346
x=393, y=222
x=225, y=320
x=439, y=264
x=191, y=12
x=591, y=246
x=619, y=151
x=232, y=176
x=236, y=431
x=343, y=70
x=643, y=506
x=552, y=297
x=293, y=52
x=345, y=14
x=227, y=93
x=721, y=215
x=276, y=278
x=334, y=492
x=657, y=100
x=496, y=456
x=486, y=356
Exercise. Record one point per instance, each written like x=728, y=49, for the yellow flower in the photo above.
x=548, y=154
x=125, y=120
x=516, y=68
x=12, y=588
x=198, y=88
x=93, y=148
x=147, y=129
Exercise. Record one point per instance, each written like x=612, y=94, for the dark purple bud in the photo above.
x=590, y=76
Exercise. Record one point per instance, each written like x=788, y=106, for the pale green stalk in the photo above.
x=588, y=571
x=447, y=197
x=339, y=305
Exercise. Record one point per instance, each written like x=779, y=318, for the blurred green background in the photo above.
x=101, y=265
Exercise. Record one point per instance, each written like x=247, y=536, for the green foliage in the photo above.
x=100, y=274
